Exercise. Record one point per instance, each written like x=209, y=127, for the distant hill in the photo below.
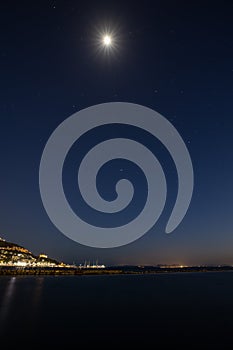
x=14, y=254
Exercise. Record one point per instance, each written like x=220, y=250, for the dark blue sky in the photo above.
x=174, y=57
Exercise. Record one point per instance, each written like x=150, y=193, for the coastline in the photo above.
x=113, y=270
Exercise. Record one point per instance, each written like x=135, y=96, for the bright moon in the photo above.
x=107, y=40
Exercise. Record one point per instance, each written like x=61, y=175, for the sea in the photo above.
x=149, y=310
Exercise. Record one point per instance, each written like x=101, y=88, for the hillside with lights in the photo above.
x=12, y=254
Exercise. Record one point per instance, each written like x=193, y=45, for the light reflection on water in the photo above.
x=6, y=300
x=37, y=290
x=28, y=299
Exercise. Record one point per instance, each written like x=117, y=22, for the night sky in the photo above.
x=175, y=57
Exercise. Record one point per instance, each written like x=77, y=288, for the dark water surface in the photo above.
x=172, y=309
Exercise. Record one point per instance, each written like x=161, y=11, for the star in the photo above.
x=107, y=40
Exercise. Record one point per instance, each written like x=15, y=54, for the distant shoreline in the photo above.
x=113, y=270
